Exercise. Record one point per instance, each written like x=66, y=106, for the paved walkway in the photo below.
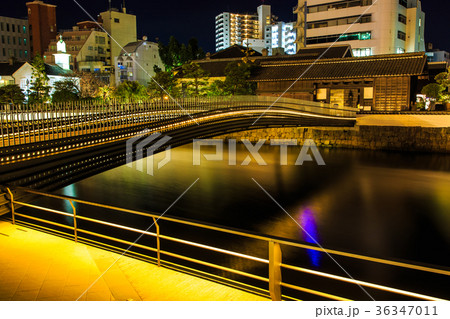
x=38, y=266
x=404, y=120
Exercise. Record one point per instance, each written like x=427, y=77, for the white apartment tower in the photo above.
x=281, y=35
x=235, y=28
x=369, y=26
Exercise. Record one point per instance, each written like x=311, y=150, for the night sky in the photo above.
x=186, y=19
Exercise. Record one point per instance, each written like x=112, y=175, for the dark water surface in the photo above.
x=383, y=204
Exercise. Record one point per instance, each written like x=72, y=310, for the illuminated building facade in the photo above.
x=281, y=35
x=136, y=62
x=42, y=25
x=234, y=28
x=370, y=27
x=15, y=40
x=121, y=26
x=87, y=47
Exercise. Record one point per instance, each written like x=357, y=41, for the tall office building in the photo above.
x=15, y=40
x=121, y=27
x=235, y=28
x=42, y=24
x=369, y=26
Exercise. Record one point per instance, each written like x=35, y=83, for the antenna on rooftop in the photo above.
x=109, y=5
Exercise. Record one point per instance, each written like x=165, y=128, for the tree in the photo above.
x=175, y=54
x=39, y=90
x=433, y=92
x=105, y=93
x=197, y=78
x=131, y=90
x=65, y=91
x=162, y=84
x=443, y=79
x=90, y=85
x=236, y=82
x=217, y=88
x=11, y=94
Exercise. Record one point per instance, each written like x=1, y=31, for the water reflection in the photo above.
x=310, y=234
x=389, y=202
x=71, y=191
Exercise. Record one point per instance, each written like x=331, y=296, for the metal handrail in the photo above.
x=274, y=260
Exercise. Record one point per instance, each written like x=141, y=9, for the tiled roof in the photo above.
x=56, y=70
x=374, y=66
x=235, y=51
x=218, y=62
x=131, y=47
x=8, y=69
x=334, y=52
x=216, y=68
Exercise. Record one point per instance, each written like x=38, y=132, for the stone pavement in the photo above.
x=38, y=266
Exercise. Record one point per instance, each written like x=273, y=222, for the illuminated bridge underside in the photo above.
x=59, y=162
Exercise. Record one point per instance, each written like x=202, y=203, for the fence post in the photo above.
x=275, y=271
x=12, y=206
x=158, y=244
x=75, y=232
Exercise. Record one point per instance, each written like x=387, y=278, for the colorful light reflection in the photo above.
x=310, y=234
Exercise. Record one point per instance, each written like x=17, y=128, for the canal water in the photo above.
x=382, y=204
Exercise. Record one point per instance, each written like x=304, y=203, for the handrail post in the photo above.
x=12, y=206
x=158, y=244
x=275, y=271
x=75, y=231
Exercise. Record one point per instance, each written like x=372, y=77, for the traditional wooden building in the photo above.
x=380, y=83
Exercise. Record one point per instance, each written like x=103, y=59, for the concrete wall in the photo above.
x=415, y=139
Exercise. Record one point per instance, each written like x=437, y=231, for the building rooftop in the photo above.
x=375, y=66
x=234, y=51
x=7, y=68
x=217, y=63
x=56, y=70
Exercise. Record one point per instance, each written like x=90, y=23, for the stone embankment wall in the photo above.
x=398, y=138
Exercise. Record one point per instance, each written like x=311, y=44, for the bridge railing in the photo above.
x=29, y=124
x=74, y=223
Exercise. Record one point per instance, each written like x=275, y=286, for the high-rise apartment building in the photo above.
x=369, y=26
x=281, y=35
x=42, y=25
x=122, y=29
x=14, y=39
x=234, y=28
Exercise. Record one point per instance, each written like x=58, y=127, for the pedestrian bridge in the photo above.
x=55, y=145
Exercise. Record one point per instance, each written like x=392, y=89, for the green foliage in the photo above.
x=11, y=94
x=131, y=90
x=162, y=84
x=105, y=93
x=432, y=90
x=65, y=91
x=197, y=79
x=175, y=54
x=443, y=79
x=217, y=88
x=39, y=90
x=236, y=82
